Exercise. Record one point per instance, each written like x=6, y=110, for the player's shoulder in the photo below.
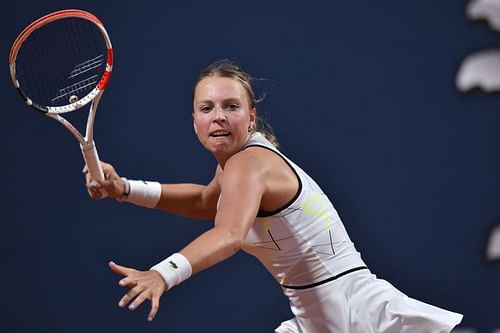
x=256, y=160
x=253, y=155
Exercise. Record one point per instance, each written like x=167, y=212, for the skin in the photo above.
x=220, y=105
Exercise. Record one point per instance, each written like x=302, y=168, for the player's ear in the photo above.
x=194, y=125
x=253, y=118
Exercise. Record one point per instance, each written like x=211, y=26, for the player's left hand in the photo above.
x=143, y=285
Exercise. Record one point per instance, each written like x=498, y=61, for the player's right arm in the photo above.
x=190, y=200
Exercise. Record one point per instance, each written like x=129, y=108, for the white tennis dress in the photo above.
x=306, y=248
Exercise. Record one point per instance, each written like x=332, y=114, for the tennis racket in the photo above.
x=61, y=63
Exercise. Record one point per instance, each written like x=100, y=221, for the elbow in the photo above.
x=236, y=246
x=235, y=239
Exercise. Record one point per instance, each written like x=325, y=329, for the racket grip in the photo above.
x=92, y=160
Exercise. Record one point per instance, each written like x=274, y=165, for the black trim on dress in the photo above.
x=315, y=284
x=263, y=213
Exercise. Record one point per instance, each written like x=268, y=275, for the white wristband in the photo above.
x=143, y=193
x=174, y=269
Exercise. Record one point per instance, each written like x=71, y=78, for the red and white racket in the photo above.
x=60, y=63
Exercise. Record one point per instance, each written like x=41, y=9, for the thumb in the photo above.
x=122, y=270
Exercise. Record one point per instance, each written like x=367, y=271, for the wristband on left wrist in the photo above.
x=174, y=269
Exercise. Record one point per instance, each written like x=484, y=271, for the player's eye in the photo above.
x=232, y=107
x=205, y=108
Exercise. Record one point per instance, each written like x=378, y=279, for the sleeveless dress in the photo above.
x=305, y=246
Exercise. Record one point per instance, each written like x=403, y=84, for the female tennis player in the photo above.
x=265, y=204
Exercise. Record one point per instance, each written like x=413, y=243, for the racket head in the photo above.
x=61, y=61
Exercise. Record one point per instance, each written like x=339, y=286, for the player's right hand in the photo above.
x=112, y=186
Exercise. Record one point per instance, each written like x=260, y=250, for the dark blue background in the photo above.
x=361, y=95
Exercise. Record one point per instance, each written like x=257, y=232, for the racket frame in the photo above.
x=87, y=143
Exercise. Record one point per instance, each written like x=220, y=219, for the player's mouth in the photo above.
x=219, y=133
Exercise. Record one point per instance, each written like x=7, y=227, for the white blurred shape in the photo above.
x=481, y=70
x=493, y=245
x=485, y=9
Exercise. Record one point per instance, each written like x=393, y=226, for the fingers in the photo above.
x=138, y=301
x=144, y=285
x=155, y=306
x=140, y=297
x=94, y=189
x=129, y=282
x=112, y=186
x=129, y=296
x=86, y=173
x=122, y=270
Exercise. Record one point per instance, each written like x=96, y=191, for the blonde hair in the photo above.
x=227, y=68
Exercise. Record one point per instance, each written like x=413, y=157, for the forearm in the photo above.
x=190, y=200
x=212, y=247
x=185, y=200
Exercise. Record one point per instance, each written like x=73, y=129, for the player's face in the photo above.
x=222, y=116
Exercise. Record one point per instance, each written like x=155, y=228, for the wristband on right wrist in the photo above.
x=141, y=193
x=126, y=190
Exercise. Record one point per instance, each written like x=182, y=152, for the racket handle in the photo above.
x=92, y=160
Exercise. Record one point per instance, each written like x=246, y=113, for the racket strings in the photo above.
x=61, y=62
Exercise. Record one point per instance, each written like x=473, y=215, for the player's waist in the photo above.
x=326, y=280
x=306, y=275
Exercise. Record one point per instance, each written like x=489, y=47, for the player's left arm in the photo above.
x=243, y=183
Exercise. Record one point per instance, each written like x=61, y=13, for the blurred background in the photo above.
x=361, y=94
